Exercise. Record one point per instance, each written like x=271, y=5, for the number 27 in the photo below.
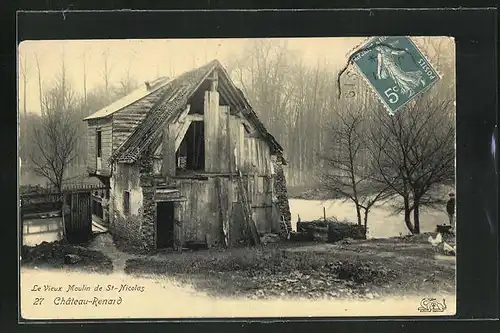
x=391, y=94
x=38, y=301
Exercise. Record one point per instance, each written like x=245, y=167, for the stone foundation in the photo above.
x=135, y=231
x=280, y=189
x=148, y=218
x=148, y=203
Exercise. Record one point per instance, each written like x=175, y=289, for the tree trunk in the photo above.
x=63, y=80
x=366, y=219
x=416, y=217
x=24, y=96
x=40, y=94
x=358, y=213
x=408, y=223
x=84, y=80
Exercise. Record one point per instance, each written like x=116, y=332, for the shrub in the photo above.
x=360, y=273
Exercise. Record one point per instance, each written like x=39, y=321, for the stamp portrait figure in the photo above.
x=387, y=67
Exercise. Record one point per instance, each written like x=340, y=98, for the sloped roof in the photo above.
x=174, y=100
x=129, y=99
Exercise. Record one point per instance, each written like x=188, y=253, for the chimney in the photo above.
x=148, y=86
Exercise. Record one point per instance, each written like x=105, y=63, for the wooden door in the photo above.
x=79, y=224
x=165, y=224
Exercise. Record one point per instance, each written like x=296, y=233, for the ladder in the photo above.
x=284, y=227
x=247, y=211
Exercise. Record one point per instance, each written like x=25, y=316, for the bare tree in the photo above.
x=62, y=88
x=40, y=86
x=63, y=99
x=128, y=82
x=55, y=140
x=346, y=173
x=84, y=63
x=171, y=70
x=283, y=92
x=24, y=71
x=106, y=72
x=55, y=134
x=414, y=152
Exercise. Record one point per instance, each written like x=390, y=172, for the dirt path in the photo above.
x=104, y=243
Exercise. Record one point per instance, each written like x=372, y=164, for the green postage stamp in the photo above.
x=395, y=68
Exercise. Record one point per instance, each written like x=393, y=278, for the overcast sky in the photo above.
x=149, y=57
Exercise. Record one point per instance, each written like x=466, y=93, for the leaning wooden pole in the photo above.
x=247, y=212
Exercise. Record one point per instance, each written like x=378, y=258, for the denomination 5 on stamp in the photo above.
x=395, y=68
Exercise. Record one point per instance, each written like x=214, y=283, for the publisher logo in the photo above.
x=432, y=305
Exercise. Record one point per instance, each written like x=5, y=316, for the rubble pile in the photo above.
x=60, y=254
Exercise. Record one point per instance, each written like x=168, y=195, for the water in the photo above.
x=36, y=231
x=32, y=240
x=381, y=223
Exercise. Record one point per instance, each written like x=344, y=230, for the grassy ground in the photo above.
x=357, y=269
x=365, y=269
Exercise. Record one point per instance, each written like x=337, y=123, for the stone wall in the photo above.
x=126, y=228
x=148, y=219
x=133, y=231
x=148, y=203
x=279, y=183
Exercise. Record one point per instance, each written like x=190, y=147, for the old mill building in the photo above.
x=187, y=160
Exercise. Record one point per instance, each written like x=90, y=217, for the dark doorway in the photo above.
x=191, y=153
x=78, y=217
x=164, y=225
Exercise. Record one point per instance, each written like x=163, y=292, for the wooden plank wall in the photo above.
x=212, y=131
x=126, y=120
x=201, y=212
x=261, y=203
x=91, y=145
x=105, y=125
x=226, y=147
x=224, y=206
x=237, y=223
x=224, y=157
x=168, y=150
x=258, y=156
x=247, y=146
x=237, y=140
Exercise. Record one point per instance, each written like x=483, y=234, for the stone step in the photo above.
x=167, y=187
x=167, y=190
